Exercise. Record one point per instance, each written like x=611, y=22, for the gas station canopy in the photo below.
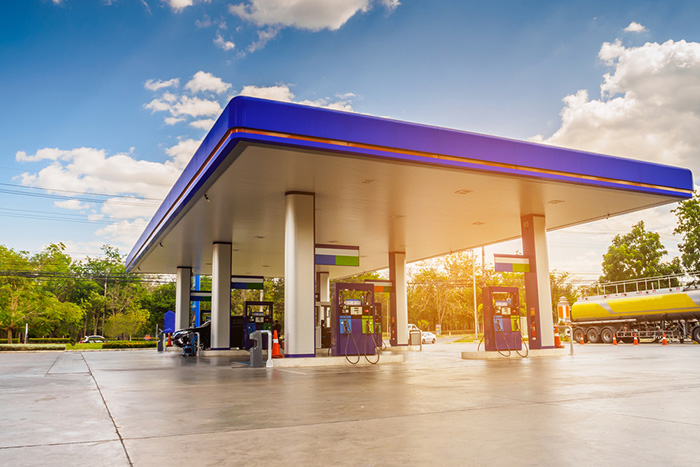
x=379, y=184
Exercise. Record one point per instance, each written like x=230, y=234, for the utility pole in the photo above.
x=476, y=326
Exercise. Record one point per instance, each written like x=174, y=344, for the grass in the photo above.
x=90, y=346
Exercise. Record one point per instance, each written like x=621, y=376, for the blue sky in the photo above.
x=96, y=93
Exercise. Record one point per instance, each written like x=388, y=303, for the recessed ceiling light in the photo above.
x=208, y=264
x=368, y=181
x=477, y=223
x=236, y=249
x=265, y=266
x=556, y=201
x=332, y=241
x=259, y=237
x=463, y=192
x=398, y=216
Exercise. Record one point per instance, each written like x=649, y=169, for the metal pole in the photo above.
x=476, y=326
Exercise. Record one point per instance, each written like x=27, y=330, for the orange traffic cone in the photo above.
x=557, y=339
x=636, y=341
x=581, y=339
x=664, y=342
x=276, y=346
x=170, y=341
x=614, y=340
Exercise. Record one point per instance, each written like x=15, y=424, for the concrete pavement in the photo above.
x=627, y=405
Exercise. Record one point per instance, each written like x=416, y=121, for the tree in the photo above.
x=688, y=214
x=636, y=255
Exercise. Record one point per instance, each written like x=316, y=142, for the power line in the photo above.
x=58, y=216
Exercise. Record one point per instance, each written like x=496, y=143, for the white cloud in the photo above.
x=641, y=113
x=157, y=105
x=206, y=82
x=223, y=44
x=277, y=93
x=264, y=36
x=173, y=120
x=635, y=27
x=311, y=15
x=204, y=124
x=178, y=5
x=155, y=85
x=90, y=170
x=128, y=207
x=196, y=107
x=72, y=204
x=182, y=152
x=281, y=92
x=125, y=232
x=649, y=109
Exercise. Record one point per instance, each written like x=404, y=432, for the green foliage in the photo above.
x=30, y=347
x=126, y=323
x=688, y=214
x=636, y=255
x=129, y=345
x=48, y=340
x=561, y=287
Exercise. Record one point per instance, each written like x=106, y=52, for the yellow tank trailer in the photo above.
x=649, y=314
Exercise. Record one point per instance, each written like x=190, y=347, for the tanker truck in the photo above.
x=648, y=313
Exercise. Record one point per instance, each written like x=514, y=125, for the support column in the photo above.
x=299, y=229
x=324, y=287
x=398, y=302
x=538, y=291
x=183, y=286
x=323, y=284
x=221, y=296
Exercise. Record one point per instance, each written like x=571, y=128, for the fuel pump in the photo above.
x=502, y=319
x=354, y=321
x=257, y=317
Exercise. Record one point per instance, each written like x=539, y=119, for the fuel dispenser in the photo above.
x=257, y=317
x=502, y=319
x=354, y=323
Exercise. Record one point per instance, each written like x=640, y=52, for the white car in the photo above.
x=428, y=337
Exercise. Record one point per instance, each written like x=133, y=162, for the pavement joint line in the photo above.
x=607, y=412
x=116, y=428
x=52, y=365
x=70, y=443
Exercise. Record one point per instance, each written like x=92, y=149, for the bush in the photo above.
x=18, y=347
x=48, y=340
x=128, y=345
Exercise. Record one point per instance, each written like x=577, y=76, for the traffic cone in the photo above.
x=170, y=340
x=581, y=339
x=664, y=342
x=276, y=346
x=636, y=341
x=557, y=339
x=614, y=340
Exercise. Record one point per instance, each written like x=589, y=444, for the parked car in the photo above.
x=412, y=327
x=89, y=339
x=428, y=337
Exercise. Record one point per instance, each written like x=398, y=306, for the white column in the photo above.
x=221, y=296
x=397, y=273
x=183, y=286
x=299, y=275
x=324, y=287
x=537, y=282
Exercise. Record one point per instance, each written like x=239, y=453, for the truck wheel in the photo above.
x=696, y=333
x=606, y=335
x=578, y=334
x=592, y=335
